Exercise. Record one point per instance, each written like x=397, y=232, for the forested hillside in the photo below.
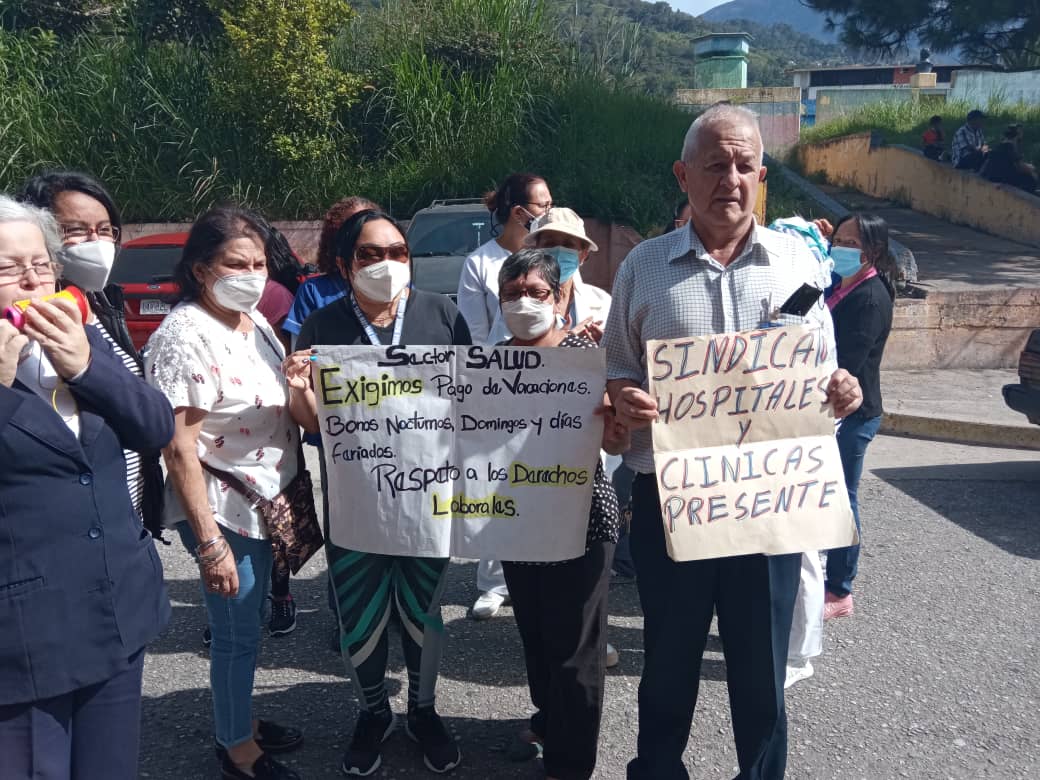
x=650, y=43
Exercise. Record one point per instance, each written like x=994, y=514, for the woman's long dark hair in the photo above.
x=873, y=239
x=209, y=233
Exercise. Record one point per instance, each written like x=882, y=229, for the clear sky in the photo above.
x=694, y=7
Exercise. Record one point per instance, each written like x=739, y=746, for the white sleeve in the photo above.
x=472, y=296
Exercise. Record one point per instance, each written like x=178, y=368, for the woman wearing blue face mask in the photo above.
x=861, y=304
x=581, y=308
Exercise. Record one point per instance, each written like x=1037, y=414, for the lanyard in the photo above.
x=370, y=331
x=843, y=293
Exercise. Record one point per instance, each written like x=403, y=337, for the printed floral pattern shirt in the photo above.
x=236, y=379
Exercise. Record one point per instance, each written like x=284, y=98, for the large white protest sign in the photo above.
x=477, y=452
x=744, y=448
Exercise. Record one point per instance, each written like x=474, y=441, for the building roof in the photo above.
x=882, y=66
x=723, y=35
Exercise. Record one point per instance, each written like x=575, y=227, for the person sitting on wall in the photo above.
x=969, y=143
x=933, y=141
x=1006, y=165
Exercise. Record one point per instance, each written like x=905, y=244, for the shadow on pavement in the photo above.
x=178, y=737
x=965, y=495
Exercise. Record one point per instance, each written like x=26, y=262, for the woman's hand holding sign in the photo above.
x=303, y=406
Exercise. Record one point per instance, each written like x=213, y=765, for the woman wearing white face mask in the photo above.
x=382, y=309
x=219, y=363
x=90, y=229
x=582, y=308
x=561, y=608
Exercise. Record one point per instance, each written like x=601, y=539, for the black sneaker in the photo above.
x=272, y=738
x=362, y=757
x=207, y=637
x=264, y=768
x=283, y=617
x=440, y=753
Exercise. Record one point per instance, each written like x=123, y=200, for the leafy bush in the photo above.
x=156, y=123
x=277, y=73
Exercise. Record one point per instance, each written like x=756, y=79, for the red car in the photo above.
x=144, y=269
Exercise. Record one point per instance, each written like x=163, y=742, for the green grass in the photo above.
x=455, y=100
x=904, y=123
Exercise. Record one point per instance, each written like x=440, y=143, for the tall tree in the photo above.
x=1005, y=33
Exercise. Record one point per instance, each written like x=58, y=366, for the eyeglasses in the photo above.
x=44, y=269
x=537, y=293
x=543, y=206
x=80, y=232
x=368, y=254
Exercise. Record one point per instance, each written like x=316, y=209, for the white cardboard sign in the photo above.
x=476, y=452
x=744, y=448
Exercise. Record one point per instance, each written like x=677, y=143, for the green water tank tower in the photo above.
x=720, y=61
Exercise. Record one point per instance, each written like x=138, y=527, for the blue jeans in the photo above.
x=235, y=624
x=856, y=432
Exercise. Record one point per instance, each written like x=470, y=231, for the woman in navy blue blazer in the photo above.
x=81, y=589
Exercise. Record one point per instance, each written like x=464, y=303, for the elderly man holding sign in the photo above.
x=756, y=491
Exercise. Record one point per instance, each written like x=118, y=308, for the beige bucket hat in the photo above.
x=560, y=220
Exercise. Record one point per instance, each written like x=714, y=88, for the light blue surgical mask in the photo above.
x=568, y=260
x=847, y=260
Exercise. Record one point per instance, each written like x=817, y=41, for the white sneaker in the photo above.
x=487, y=605
x=613, y=658
x=798, y=673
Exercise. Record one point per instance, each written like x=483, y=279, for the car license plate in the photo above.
x=154, y=306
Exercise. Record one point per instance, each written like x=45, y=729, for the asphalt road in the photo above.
x=936, y=675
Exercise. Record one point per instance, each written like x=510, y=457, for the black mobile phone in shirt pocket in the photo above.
x=801, y=301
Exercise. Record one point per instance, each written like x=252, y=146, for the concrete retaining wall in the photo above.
x=980, y=86
x=904, y=175
x=778, y=109
x=985, y=329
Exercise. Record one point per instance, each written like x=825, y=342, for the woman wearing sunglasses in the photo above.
x=382, y=309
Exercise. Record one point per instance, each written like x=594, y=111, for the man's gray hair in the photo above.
x=719, y=114
x=13, y=211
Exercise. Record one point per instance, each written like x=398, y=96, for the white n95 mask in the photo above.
x=88, y=265
x=382, y=281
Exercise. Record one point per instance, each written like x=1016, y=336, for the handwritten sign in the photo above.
x=476, y=452
x=744, y=447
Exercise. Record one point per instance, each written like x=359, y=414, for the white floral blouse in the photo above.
x=236, y=378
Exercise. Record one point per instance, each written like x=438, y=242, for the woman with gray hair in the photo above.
x=561, y=608
x=81, y=589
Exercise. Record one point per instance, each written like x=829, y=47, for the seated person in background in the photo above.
x=933, y=141
x=1006, y=165
x=969, y=143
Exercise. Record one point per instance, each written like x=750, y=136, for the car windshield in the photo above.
x=145, y=264
x=449, y=233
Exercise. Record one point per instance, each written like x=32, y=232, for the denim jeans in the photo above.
x=235, y=624
x=855, y=433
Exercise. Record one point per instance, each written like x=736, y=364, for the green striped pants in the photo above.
x=370, y=589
